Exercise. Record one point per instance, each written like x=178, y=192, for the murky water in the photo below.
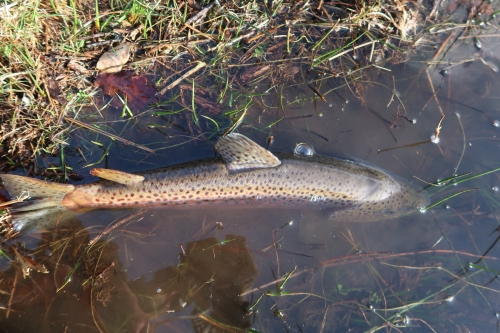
x=228, y=269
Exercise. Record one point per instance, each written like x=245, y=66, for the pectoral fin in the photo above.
x=241, y=153
x=121, y=177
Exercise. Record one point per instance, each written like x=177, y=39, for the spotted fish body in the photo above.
x=345, y=190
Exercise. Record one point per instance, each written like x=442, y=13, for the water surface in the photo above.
x=226, y=269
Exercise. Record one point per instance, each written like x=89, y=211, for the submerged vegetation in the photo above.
x=200, y=68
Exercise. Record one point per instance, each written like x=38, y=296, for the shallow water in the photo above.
x=181, y=271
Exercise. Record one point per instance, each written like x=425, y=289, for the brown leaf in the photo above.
x=28, y=264
x=55, y=91
x=134, y=89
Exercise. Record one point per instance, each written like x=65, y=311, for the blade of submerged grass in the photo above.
x=221, y=325
x=274, y=122
x=494, y=271
x=445, y=181
x=168, y=113
x=324, y=37
x=103, y=156
x=195, y=117
x=68, y=278
x=446, y=199
x=214, y=122
x=97, y=23
x=475, y=176
x=340, y=51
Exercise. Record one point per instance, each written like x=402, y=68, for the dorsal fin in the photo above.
x=121, y=177
x=241, y=153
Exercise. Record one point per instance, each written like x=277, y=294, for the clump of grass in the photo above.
x=6, y=229
x=31, y=82
x=21, y=29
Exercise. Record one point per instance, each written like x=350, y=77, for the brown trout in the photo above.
x=246, y=174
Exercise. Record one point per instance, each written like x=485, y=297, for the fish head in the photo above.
x=402, y=198
x=385, y=198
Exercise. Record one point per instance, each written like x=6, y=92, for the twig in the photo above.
x=434, y=93
x=349, y=50
x=114, y=226
x=125, y=141
x=202, y=13
x=193, y=70
x=11, y=295
x=21, y=198
x=199, y=32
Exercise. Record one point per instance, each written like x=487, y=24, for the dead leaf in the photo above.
x=28, y=264
x=113, y=60
x=55, y=91
x=134, y=89
x=73, y=65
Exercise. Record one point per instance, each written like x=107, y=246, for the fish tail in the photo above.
x=42, y=206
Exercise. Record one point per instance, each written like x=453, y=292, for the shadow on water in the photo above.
x=230, y=270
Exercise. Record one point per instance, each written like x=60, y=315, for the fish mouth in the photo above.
x=423, y=201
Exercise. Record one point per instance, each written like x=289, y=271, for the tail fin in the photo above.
x=43, y=208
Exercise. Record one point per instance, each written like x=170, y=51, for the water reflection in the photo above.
x=87, y=286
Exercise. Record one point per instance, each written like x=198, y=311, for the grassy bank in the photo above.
x=49, y=52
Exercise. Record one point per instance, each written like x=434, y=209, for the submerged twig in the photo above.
x=193, y=70
x=112, y=136
x=21, y=198
x=112, y=227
